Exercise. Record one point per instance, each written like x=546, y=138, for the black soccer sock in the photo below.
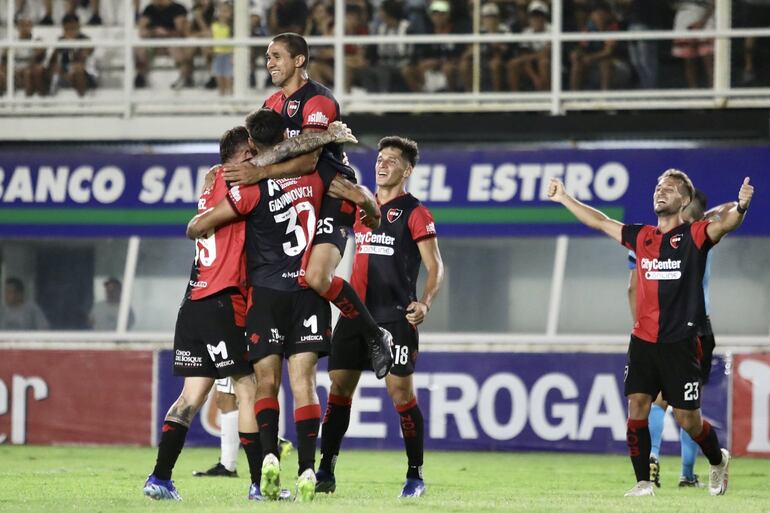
x=639, y=446
x=344, y=297
x=709, y=443
x=267, y=411
x=335, y=425
x=169, y=448
x=307, y=419
x=412, y=428
x=252, y=446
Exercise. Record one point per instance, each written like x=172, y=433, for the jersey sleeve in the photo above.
x=631, y=260
x=700, y=236
x=630, y=234
x=319, y=112
x=244, y=199
x=421, y=224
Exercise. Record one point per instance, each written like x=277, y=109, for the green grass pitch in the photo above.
x=109, y=480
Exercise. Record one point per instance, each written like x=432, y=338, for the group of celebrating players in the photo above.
x=272, y=225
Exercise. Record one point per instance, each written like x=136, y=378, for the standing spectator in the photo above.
x=695, y=15
x=389, y=58
x=164, y=19
x=72, y=67
x=321, y=23
x=30, y=69
x=104, y=315
x=17, y=313
x=598, y=56
x=533, y=60
x=492, y=55
x=200, y=26
x=222, y=63
x=751, y=13
x=645, y=15
x=256, y=53
x=287, y=16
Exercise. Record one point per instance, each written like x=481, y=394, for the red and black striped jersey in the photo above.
x=312, y=106
x=387, y=260
x=219, y=256
x=670, y=268
x=280, y=225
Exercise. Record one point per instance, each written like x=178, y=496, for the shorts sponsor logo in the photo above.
x=318, y=118
x=275, y=337
x=675, y=240
x=393, y=214
x=661, y=269
x=226, y=363
x=292, y=107
x=218, y=350
x=186, y=359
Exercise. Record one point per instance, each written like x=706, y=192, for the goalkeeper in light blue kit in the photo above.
x=689, y=448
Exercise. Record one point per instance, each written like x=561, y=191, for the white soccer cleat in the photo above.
x=306, y=486
x=718, y=475
x=641, y=489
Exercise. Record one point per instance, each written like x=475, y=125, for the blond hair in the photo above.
x=683, y=179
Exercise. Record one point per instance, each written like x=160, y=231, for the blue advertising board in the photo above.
x=491, y=402
x=471, y=192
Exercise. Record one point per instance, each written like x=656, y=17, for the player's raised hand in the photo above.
x=244, y=173
x=745, y=194
x=556, y=190
x=342, y=134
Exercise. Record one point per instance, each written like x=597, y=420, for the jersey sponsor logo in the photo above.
x=375, y=250
x=292, y=107
x=375, y=238
x=318, y=118
x=199, y=284
x=235, y=193
x=292, y=133
x=661, y=269
x=430, y=228
x=675, y=240
x=394, y=214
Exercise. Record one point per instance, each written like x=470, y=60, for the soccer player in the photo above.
x=669, y=310
x=385, y=273
x=284, y=319
x=695, y=211
x=208, y=338
x=307, y=106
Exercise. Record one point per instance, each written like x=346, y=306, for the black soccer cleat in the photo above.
x=217, y=470
x=381, y=353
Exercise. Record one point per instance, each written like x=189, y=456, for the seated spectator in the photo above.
x=321, y=23
x=104, y=315
x=287, y=16
x=70, y=7
x=17, y=313
x=356, y=58
x=493, y=55
x=164, y=19
x=533, y=59
x=384, y=75
x=222, y=62
x=72, y=67
x=435, y=66
x=200, y=26
x=695, y=15
x=751, y=14
x=596, y=56
x=30, y=63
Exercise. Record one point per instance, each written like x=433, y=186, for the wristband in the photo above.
x=741, y=210
x=424, y=303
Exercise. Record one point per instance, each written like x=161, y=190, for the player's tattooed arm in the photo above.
x=733, y=217
x=431, y=259
x=206, y=222
x=266, y=164
x=589, y=216
x=343, y=188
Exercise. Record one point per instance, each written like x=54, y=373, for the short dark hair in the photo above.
x=393, y=8
x=231, y=141
x=70, y=18
x=295, y=44
x=15, y=283
x=408, y=147
x=265, y=127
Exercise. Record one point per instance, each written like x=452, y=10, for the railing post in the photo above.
x=129, y=277
x=722, y=15
x=241, y=61
x=10, y=71
x=339, y=51
x=476, y=46
x=556, y=32
x=129, y=28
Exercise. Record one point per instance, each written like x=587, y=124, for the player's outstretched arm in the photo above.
x=733, y=216
x=307, y=144
x=589, y=216
x=211, y=219
x=431, y=258
x=345, y=189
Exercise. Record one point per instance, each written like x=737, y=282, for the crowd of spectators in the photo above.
x=399, y=67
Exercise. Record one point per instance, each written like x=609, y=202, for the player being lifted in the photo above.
x=385, y=271
x=669, y=311
x=284, y=319
x=306, y=107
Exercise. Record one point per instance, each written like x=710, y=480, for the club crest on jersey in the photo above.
x=292, y=107
x=674, y=241
x=394, y=214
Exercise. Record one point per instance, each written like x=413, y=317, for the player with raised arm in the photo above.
x=284, y=319
x=662, y=353
x=307, y=107
x=385, y=271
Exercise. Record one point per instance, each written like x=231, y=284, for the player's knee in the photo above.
x=342, y=388
x=226, y=402
x=318, y=279
x=401, y=397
